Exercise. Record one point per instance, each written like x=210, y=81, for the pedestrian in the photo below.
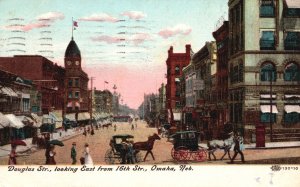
x=130, y=153
x=51, y=155
x=12, y=156
x=123, y=151
x=132, y=127
x=84, y=132
x=73, y=153
x=92, y=131
x=115, y=127
x=87, y=155
x=238, y=147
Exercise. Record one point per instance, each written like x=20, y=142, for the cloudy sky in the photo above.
x=123, y=42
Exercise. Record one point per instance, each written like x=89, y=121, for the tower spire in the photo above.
x=72, y=28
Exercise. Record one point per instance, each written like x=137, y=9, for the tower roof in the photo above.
x=72, y=50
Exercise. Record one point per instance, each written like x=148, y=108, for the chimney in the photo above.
x=188, y=49
x=170, y=50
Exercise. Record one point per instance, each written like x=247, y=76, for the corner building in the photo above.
x=76, y=81
x=264, y=66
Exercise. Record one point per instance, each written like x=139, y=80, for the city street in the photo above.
x=99, y=144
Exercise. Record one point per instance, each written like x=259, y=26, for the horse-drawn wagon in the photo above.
x=121, y=149
x=186, y=147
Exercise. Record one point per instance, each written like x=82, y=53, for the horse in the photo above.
x=226, y=144
x=107, y=125
x=146, y=146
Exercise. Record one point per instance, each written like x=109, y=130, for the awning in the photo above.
x=267, y=109
x=292, y=108
x=48, y=119
x=177, y=116
x=71, y=117
x=290, y=96
x=77, y=104
x=69, y=104
x=8, y=91
x=38, y=119
x=26, y=120
x=292, y=3
x=177, y=80
x=4, y=122
x=57, y=115
x=267, y=96
x=14, y=121
x=83, y=116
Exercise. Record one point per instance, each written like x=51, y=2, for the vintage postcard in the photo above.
x=150, y=92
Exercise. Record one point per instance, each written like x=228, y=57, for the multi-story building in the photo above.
x=48, y=77
x=175, y=63
x=76, y=81
x=222, y=38
x=162, y=104
x=264, y=65
x=205, y=85
x=102, y=101
x=189, y=96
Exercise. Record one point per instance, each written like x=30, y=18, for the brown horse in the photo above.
x=146, y=146
x=107, y=125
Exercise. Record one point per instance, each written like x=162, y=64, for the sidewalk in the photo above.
x=59, y=135
x=268, y=145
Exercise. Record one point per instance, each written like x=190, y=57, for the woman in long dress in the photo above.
x=87, y=156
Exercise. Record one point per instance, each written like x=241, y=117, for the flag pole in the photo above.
x=72, y=27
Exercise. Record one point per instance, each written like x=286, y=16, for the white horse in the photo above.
x=226, y=144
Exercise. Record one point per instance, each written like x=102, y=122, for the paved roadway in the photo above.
x=99, y=143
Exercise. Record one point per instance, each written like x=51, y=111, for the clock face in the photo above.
x=77, y=63
x=69, y=62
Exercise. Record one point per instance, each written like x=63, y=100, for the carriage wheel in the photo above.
x=199, y=155
x=181, y=153
x=109, y=157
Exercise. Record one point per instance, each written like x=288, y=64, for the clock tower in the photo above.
x=76, y=81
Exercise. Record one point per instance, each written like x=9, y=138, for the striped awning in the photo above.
x=71, y=117
x=4, y=122
x=83, y=116
x=8, y=91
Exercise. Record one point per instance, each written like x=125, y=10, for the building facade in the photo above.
x=222, y=38
x=102, y=101
x=76, y=81
x=48, y=77
x=175, y=63
x=205, y=86
x=264, y=65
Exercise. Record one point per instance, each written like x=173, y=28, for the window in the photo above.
x=267, y=8
x=267, y=40
x=177, y=70
x=292, y=41
x=265, y=117
x=76, y=94
x=70, y=82
x=268, y=72
x=292, y=117
x=77, y=82
x=292, y=12
x=292, y=72
x=70, y=95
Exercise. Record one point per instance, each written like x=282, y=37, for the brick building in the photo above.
x=76, y=81
x=102, y=101
x=48, y=76
x=175, y=63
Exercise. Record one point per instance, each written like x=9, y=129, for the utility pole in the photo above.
x=271, y=107
x=91, y=104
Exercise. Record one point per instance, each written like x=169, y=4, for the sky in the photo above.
x=123, y=42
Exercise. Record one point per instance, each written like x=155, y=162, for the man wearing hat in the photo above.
x=73, y=153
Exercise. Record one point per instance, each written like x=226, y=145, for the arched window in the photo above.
x=177, y=70
x=292, y=72
x=268, y=72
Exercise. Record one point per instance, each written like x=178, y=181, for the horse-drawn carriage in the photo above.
x=119, y=146
x=186, y=146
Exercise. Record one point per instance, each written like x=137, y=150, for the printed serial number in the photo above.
x=289, y=168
